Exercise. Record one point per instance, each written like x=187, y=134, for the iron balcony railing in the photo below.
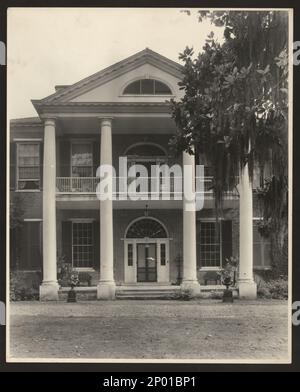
x=173, y=186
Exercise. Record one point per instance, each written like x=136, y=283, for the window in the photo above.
x=82, y=160
x=162, y=254
x=130, y=255
x=261, y=248
x=146, y=227
x=147, y=87
x=209, y=245
x=28, y=158
x=145, y=150
x=82, y=244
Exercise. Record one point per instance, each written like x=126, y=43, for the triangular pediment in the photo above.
x=107, y=85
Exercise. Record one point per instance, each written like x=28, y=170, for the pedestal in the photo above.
x=106, y=291
x=49, y=291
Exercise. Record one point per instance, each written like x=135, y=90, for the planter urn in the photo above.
x=72, y=294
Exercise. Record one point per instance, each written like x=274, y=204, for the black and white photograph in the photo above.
x=149, y=178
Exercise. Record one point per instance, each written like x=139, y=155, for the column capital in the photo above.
x=50, y=121
x=107, y=120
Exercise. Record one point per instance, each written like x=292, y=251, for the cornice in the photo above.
x=26, y=122
x=101, y=107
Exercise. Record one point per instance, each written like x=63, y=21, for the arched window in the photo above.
x=145, y=150
x=147, y=87
x=146, y=227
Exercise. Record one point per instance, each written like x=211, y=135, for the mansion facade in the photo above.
x=121, y=111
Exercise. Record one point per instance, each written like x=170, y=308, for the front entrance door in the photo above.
x=146, y=263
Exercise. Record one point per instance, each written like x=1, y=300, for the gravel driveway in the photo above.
x=198, y=329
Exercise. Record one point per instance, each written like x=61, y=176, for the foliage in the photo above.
x=67, y=276
x=274, y=288
x=228, y=273
x=21, y=289
x=184, y=295
x=16, y=213
x=74, y=278
x=235, y=108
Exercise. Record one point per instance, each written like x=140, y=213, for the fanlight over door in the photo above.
x=146, y=228
x=146, y=252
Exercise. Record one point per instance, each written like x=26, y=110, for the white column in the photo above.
x=106, y=287
x=246, y=284
x=49, y=286
x=189, y=280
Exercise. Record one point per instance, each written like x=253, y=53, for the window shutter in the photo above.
x=13, y=166
x=96, y=227
x=24, y=246
x=41, y=164
x=35, y=251
x=31, y=250
x=226, y=240
x=67, y=241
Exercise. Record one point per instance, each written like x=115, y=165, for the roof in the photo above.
x=145, y=56
x=26, y=121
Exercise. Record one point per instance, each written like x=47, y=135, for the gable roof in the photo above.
x=145, y=56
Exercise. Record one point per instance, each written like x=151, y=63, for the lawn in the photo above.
x=203, y=329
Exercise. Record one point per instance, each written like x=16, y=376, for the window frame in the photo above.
x=92, y=245
x=28, y=142
x=206, y=267
x=130, y=254
x=140, y=221
x=140, y=93
x=80, y=142
x=163, y=253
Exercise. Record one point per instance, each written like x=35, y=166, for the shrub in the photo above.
x=24, y=286
x=263, y=292
x=183, y=295
x=67, y=276
x=274, y=288
x=278, y=288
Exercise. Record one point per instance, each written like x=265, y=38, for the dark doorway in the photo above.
x=146, y=263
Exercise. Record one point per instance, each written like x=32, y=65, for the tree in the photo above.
x=235, y=109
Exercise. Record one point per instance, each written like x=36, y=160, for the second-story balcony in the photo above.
x=172, y=189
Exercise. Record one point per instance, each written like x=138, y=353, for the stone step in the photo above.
x=129, y=292
x=139, y=292
x=143, y=297
x=150, y=292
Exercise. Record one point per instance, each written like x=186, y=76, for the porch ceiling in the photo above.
x=120, y=125
x=118, y=205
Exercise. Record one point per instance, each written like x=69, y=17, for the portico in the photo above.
x=82, y=130
x=106, y=287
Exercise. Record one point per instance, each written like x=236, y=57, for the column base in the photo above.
x=49, y=291
x=192, y=285
x=106, y=290
x=247, y=290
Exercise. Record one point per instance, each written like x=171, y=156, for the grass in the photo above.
x=202, y=329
